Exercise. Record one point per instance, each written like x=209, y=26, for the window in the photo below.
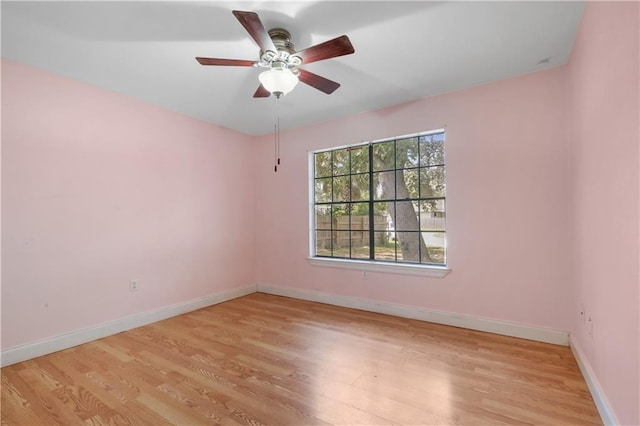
x=384, y=201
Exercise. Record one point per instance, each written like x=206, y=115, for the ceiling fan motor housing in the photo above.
x=282, y=39
x=284, y=57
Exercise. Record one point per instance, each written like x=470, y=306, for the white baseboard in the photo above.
x=68, y=340
x=602, y=404
x=458, y=320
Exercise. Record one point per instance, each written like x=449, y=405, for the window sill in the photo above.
x=391, y=268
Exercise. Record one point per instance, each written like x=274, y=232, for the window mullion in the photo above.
x=350, y=206
x=419, y=208
x=395, y=199
x=333, y=188
x=372, y=236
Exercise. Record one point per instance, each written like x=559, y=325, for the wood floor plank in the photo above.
x=268, y=360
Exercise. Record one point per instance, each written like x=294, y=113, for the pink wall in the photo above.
x=605, y=136
x=98, y=189
x=507, y=203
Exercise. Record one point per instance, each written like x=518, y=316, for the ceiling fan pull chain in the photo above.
x=277, y=136
x=278, y=149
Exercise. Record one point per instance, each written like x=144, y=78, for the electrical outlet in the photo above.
x=364, y=274
x=133, y=285
x=590, y=325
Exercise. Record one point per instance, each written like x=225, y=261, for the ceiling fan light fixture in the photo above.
x=278, y=81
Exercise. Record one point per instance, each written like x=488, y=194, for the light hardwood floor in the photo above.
x=265, y=359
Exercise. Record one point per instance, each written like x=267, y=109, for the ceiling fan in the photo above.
x=282, y=61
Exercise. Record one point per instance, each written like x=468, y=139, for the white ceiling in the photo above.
x=403, y=51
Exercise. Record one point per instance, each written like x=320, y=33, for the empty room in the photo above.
x=320, y=213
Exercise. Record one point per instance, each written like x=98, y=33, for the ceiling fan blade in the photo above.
x=314, y=80
x=339, y=46
x=225, y=62
x=252, y=23
x=261, y=92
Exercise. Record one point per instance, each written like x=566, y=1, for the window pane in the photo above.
x=432, y=215
x=407, y=153
x=341, y=188
x=432, y=149
x=406, y=216
x=360, y=187
x=323, y=218
x=323, y=190
x=360, y=244
x=408, y=246
x=435, y=243
x=384, y=184
x=432, y=182
x=340, y=243
x=360, y=216
x=341, y=162
x=323, y=243
x=340, y=216
x=407, y=185
x=360, y=159
x=385, y=248
x=360, y=231
x=383, y=156
x=323, y=164
x=381, y=218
